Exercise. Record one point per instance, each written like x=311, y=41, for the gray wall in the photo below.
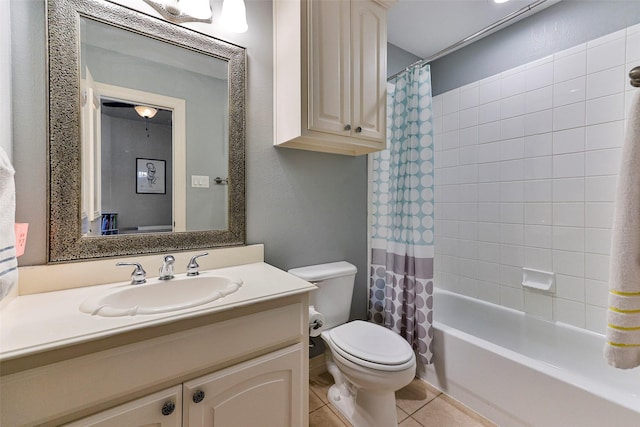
x=123, y=141
x=305, y=207
x=563, y=25
x=398, y=59
x=5, y=78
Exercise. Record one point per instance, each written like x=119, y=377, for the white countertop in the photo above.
x=39, y=322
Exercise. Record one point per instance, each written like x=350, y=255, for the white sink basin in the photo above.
x=160, y=296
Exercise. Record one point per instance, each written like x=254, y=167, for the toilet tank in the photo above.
x=335, y=282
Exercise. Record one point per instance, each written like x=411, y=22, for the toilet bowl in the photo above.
x=368, y=362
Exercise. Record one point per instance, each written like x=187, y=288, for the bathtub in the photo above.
x=518, y=370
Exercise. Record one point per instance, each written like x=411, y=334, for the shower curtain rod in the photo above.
x=472, y=37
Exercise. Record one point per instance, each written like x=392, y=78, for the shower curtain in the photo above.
x=401, y=277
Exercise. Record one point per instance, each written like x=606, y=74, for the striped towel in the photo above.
x=8, y=261
x=622, y=349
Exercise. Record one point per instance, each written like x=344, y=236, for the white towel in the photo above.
x=622, y=349
x=8, y=261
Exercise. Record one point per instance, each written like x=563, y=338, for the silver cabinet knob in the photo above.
x=168, y=408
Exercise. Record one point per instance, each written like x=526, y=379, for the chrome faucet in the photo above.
x=192, y=267
x=166, y=269
x=138, y=276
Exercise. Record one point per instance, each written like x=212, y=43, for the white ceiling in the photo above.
x=424, y=27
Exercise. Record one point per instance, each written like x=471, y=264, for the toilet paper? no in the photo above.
x=316, y=322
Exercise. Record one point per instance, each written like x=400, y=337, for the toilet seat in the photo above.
x=371, y=346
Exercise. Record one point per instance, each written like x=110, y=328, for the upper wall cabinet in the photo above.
x=330, y=68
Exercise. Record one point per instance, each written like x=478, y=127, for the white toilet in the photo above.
x=368, y=362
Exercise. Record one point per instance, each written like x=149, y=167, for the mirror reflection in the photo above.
x=154, y=132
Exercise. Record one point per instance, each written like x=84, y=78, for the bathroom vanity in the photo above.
x=239, y=360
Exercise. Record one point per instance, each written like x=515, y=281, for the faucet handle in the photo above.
x=166, y=269
x=192, y=267
x=138, y=276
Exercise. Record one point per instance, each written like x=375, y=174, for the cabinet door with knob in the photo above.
x=265, y=392
x=162, y=409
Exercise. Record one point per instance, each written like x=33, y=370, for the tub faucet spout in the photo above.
x=166, y=269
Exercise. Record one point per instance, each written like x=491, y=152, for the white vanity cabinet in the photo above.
x=162, y=409
x=266, y=391
x=330, y=62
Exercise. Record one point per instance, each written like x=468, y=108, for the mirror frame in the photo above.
x=64, y=170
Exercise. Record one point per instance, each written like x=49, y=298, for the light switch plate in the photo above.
x=199, y=181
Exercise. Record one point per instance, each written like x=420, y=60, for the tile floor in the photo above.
x=418, y=405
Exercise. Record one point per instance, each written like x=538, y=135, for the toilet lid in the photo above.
x=372, y=343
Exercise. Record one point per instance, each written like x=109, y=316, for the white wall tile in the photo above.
x=606, y=82
x=489, y=152
x=450, y=175
x=569, y=214
x=599, y=214
x=468, y=193
x=469, y=97
x=468, y=174
x=603, y=162
x=512, y=84
x=570, y=287
x=489, y=271
x=570, y=67
x=538, y=122
x=489, y=192
x=488, y=132
x=512, y=106
x=596, y=267
x=537, y=190
x=489, y=252
x=606, y=55
x=468, y=136
x=600, y=188
x=605, y=135
x=538, y=236
x=568, y=263
x=569, y=116
x=511, y=276
x=568, y=190
x=468, y=230
x=597, y=241
x=605, y=109
x=596, y=292
x=489, y=292
x=538, y=168
x=569, y=92
x=512, y=191
x=512, y=128
x=512, y=170
x=512, y=255
x=538, y=304
x=538, y=76
x=469, y=117
x=538, y=258
x=569, y=312
x=538, y=145
x=633, y=47
x=489, y=172
x=512, y=298
x=489, y=212
x=512, y=149
x=451, y=102
x=570, y=51
x=512, y=213
x=596, y=319
x=538, y=213
x=436, y=105
x=489, y=112
x=489, y=90
x=450, y=140
x=568, y=165
x=538, y=99
x=569, y=141
x=468, y=249
x=451, y=122
x=468, y=155
x=489, y=232
x=568, y=238
x=512, y=234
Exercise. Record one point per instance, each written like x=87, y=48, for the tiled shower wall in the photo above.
x=525, y=174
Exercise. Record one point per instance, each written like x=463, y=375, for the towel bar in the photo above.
x=634, y=74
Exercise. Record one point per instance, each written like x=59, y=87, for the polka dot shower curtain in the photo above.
x=401, y=281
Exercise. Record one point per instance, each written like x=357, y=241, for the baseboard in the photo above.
x=317, y=366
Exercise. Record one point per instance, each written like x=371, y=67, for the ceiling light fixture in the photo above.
x=500, y=1
x=234, y=16
x=179, y=11
x=145, y=111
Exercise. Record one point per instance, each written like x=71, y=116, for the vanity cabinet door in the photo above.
x=266, y=392
x=162, y=409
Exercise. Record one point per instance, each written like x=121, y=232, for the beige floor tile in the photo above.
x=401, y=415
x=320, y=385
x=336, y=411
x=314, y=401
x=324, y=417
x=470, y=412
x=410, y=422
x=441, y=413
x=415, y=396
